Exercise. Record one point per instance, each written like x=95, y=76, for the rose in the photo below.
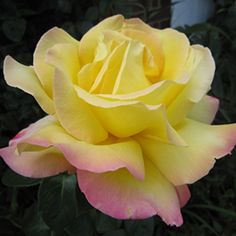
x=127, y=110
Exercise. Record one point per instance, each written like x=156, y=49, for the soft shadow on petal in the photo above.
x=24, y=77
x=120, y=195
x=183, y=165
x=183, y=194
x=205, y=110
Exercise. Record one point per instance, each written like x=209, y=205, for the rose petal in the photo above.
x=183, y=194
x=175, y=50
x=73, y=113
x=35, y=164
x=105, y=157
x=199, y=84
x=48, y=40
x=24, y=77
x=120, y=195
x=153, y=61
x=89, y=43
x=205, y=110
x=118, y=117
x=66, y=58
x=113, y=154
x=183, y=165
x=129, y=80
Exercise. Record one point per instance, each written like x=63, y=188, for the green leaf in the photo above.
x=14, y=29
x=106, y=223
x=140, y=227
x=57, y=201
x=215, y=208
x=81, y=225
x=12, y=179
x=33, y=223
x=202, y=221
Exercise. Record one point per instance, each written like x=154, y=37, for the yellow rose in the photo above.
x=127, y=110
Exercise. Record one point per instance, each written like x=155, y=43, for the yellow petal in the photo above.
x=131, y=76
x=175, y=49
x=90, y=40
x=201, y=76
x=184, y=165
x=153, y=54
x=73, y=113
x=127, y=118
x=48, y=40
x=24, y=77
x=205, y=110
x=65, y=58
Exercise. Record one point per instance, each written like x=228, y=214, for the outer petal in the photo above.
x=35, y=164
x=24, y=77
x=201, y=69
x=89, y=43
x=105, y=157
x=111, y=155
x=182, y=165
x=120, y=195
x=48, y=40
x=205, y=110
x=31, y=157
x=183, y=194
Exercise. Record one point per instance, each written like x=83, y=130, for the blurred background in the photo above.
x=27, y=207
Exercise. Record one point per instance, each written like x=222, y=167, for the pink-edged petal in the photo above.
x=183, y=165
x=183, y=194
x=36, y=164
x=105, y=157
x=111, y=155
x=49, y=39
x=30, y=153
x=205, y=110
x=120, y=195
x=45, y=132
x=24, y=77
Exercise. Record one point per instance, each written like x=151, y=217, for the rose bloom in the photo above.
x=127, y=111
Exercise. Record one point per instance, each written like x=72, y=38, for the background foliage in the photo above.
x=55, y=206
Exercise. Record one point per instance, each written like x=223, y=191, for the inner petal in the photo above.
x=131, y=76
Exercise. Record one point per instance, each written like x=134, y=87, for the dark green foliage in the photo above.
x=55, y=206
